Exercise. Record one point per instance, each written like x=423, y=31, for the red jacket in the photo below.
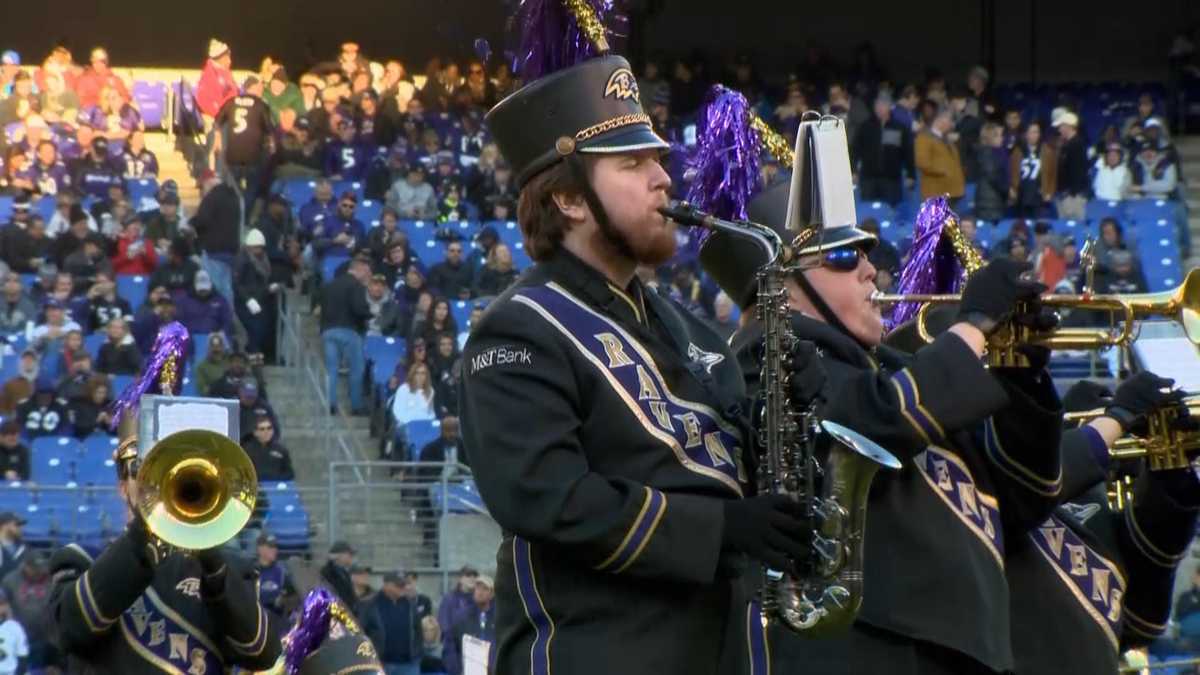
x=89, y=84
x=216, y=86
x=143, y=263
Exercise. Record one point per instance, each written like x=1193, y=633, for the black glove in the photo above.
x=145, y=546
x=212, y=564
x=992, y=294
x=806, y=373
x=1139, y=395
x=768, y=528
x=1086, y=395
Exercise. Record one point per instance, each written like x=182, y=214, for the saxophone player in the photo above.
x=980, y=450
x=605, y=424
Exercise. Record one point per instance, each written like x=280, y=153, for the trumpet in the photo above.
x=1181, y=305
x=1164, y=446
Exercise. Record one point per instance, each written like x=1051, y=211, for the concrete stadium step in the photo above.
x=173, y=165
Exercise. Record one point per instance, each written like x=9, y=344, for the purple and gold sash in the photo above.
x=952, y=481
x=163, y=637
x=1094, y=580
x=698, y=437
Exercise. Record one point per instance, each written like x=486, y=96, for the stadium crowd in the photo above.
x=380, y=191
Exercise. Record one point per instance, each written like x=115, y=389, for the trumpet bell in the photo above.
x=196, y=489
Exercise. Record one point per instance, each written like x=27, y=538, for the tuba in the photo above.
x=824, y=595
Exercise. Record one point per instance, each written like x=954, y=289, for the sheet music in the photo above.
x=475, y=655
x=822, y=189
x=175, y=417
x=1173, y=357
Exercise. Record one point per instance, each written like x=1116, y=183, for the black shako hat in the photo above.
x=592, y=107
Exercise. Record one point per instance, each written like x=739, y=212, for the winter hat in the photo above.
x=217, y=49
x=255, y=238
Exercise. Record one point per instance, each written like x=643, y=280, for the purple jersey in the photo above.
x=50, y=180
x=125, y=119
x=348, y=160
x=138, y=165
x=94, y=179
x=366, y=131
x=314, y=210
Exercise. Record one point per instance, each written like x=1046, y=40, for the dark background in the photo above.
x=1025, y=39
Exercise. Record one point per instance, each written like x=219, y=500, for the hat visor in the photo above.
x=624, y=139
x=832, y=238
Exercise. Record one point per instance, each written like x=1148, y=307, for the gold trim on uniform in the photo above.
x=610, y=124
x=1147, y=547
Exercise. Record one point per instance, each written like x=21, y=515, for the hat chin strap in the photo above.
x=822, y=307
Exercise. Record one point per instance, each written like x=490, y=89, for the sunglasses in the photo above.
x=842, y=259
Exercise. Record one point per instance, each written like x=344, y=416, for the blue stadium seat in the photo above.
x=189, y=387
x=509, y=232
x=5, y=209
x=379, y=348
x=140, y=189
x=151, y=101
x=459, y=498
x=348, y=185
x=368, y=212
x=199, y=347
x=58, y=499
x=419, y=433
x=290, y=526
x=1148, y=210
x=279, y=495
x=39, y=525
x=461, y=311
x=430, y=252
x=95, y=468
x=521, y=259
x=52, y=459
x=1098, y=209
x=44, y=207
x=15, y=496
x=120, y=382
x=466, y=229
x=99, y=445
x=93, y=342
x=876, y=210
x=133, y=289
x=329, y=265
x=85, y=525
x=298, y=191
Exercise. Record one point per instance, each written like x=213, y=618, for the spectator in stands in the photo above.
x=272, y=461
x=216, y=85
x=1121, y=275
x=76, y=369
x=966, y=131
x=456, y=606
x=344, y=314
x=417, y=353
x=243, y=140
x=276, y=590
x=50, y=173
x=1154, y=175
x=1073, y=180
x=136, y=254
x=360, y=576
x=282, y=94
x=57, y=101
x=136, y=161
x=1112, y=239
x=154, y=314
x=96, y=78
x=1134, y=127
x=385, y=318
x=119, y=355
x=276, y=224
x=28, y=592
x=253, y=406
x=91, y=411
x=56, y=326
x=452, y=277
x=322, y=204
x=237, y=372
x=380, y=239
x=178, y=272
x=390, y=619
x=104, y=305
x=255, y=293
x=437, y=320
x=479, y=623
x=336, y=572
x=413, y=401
x=431, y=636
x=44, y=414
x=498, y=274
x=884, y=256
x=1114, y=179
x=446, y=371
x=217, y=224
x=94, y=173
x=16, y=307
x=1033, y=174
x=203, y=311
x=14, y=658
x=60, y=221
x=991, y=195
x=14, y=455
x=413, y=197
x=340, y=233
x=442, y=450
x=88, y=262
x=22, y=103
x=73, y=238
x=113, y=118
x=937, y=160
x=301, y=153
x=212, y=367
x=12, y=544
x=686, y=289
x=20, y=387
x=415, y=299
x=165, y=224
x=346, y=158
x=883, y=151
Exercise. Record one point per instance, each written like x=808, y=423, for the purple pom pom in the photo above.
x=550, y=37
x=724, y=167
x=932, y=265
x=172, y=341
x=310, y=631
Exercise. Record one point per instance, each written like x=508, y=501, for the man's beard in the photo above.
x=652, y=252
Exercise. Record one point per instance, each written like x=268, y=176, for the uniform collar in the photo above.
x=627, y=304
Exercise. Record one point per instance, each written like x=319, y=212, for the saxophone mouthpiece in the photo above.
x=684, y=214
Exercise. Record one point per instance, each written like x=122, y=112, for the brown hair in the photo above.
x=542, y=222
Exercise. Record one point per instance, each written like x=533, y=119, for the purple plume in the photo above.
x=168, y=353
x=310, y=631
x=483, y=49
x=551, y=37
x=723, y=168
x=932, y=266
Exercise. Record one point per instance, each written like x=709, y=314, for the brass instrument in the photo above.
x=1164, y=446
x=827, y=595
x=1182, y=305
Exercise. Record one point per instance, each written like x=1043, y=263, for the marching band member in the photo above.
x=605, y=425
x=979, y=446
x=131, y=610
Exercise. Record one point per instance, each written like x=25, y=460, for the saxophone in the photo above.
x=823, y=594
